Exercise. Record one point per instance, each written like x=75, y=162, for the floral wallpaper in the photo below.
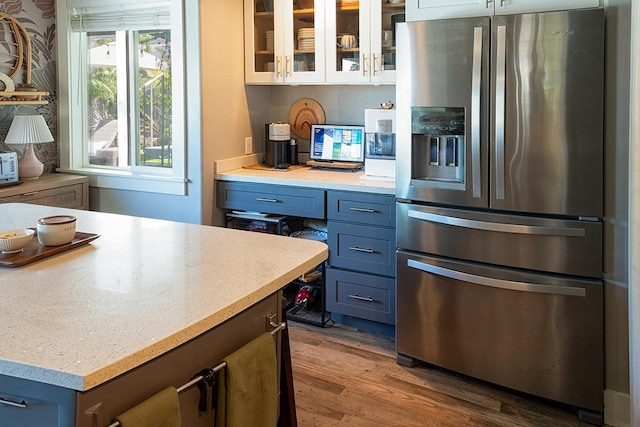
x=38, y=18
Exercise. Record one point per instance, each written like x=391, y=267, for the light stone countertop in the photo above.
x=145, y=286
x=311, y=178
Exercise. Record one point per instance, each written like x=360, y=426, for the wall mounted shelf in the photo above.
x=22, y=97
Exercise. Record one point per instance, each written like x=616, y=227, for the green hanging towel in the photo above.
x=248, y=386
x=160, y=410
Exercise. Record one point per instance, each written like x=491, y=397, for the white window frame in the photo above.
x=72, y=112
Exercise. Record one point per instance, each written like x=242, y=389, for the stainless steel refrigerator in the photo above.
x=500, y=201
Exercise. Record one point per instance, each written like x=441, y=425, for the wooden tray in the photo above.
x=34, y=251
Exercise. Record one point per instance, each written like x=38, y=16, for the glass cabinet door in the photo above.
x=392, y=13
x=284, y=41
x=260, y=41
x=360, y=42
x=347, y=41
x=304, y=44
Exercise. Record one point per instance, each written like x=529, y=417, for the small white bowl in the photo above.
x=56, y=230
x=12, y=241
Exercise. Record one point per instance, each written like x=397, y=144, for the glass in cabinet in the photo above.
x=284, y=41
x=371, y=57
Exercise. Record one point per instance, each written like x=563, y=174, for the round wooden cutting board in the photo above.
x=304, y=113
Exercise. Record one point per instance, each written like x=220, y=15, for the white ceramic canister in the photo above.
x=56, y=230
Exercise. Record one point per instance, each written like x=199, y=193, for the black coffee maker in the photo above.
x=277, y=140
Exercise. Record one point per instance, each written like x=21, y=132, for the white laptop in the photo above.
x=336, y=147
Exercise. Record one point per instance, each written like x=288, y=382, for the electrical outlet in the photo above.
x=248, y=145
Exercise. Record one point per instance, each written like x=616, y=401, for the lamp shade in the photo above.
x=28, y=129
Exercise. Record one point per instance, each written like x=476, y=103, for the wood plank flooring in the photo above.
x=344, y=377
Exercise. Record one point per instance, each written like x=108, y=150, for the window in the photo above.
x=121, y=74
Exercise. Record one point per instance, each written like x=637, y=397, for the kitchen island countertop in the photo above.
x=144, y=287
x=311, y=178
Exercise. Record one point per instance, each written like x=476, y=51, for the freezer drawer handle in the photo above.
x=357, y=249
x=4, y=401
x=367, y=210
x=498, y=283
x=262, y=199
x=499, y=227
x=358, y=297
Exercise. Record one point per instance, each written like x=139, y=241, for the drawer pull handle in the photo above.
x=4, y=401
x=359, y=298
x=367, y=210
x=357, y=249
x=262, y=199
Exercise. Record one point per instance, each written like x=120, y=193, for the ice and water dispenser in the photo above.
x=438, y=144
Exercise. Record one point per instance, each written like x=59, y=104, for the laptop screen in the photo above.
x=337, y=143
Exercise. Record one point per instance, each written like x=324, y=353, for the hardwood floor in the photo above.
x=344, y=377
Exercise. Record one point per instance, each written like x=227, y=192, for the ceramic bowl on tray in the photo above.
x=15, y=240
x=56, y=230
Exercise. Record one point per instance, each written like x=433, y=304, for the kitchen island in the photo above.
x=89, y=332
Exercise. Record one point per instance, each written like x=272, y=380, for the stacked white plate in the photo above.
x=307, y=39
x=269, y=37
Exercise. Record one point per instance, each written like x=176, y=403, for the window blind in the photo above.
x=116, y=15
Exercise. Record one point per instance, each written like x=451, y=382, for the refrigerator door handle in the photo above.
x=498, y=283
x=500, y=109
x=495, y=226
x=476, y=92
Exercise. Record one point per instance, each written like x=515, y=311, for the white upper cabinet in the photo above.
x=360, y=44
x=284, y=41
x=317, y=42
x=420, y=10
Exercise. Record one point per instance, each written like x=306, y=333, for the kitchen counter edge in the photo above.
x=311, y=178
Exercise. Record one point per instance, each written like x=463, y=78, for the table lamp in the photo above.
x=29, y=130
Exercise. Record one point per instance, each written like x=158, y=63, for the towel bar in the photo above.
x=218, y=367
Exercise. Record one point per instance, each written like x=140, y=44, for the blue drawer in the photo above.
x=365, y=208
x=362, y=247
x=361, y=295
x=273, y=199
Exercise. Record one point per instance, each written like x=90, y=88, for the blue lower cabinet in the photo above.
x=363, y=248
x=361, y=295
x=273, y=199
x=27, y=403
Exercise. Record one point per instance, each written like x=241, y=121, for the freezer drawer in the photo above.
x=553, y=245
x=540, y=334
